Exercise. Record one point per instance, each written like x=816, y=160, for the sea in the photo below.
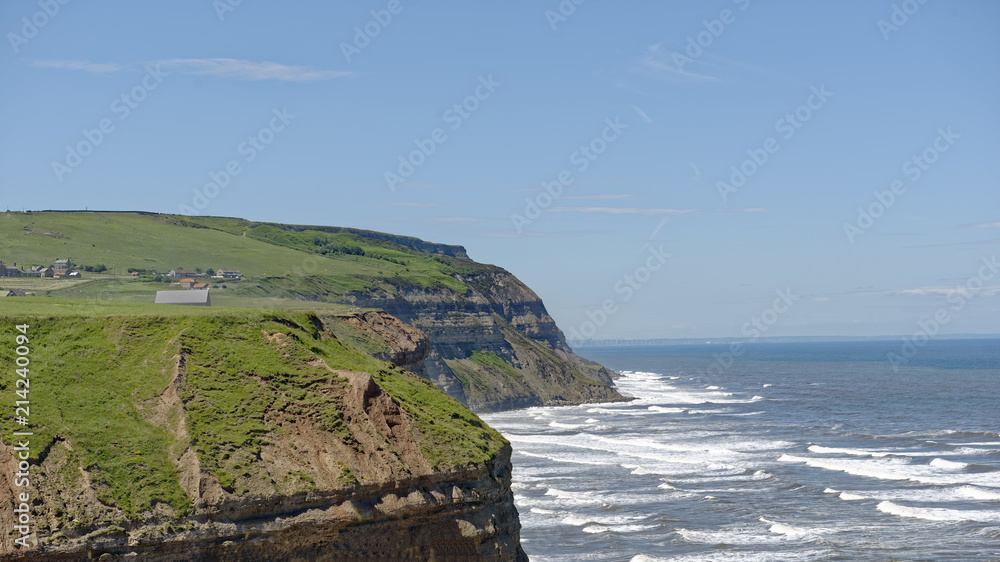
x=788, y=451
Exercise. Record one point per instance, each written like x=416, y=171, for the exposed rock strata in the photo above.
x=500, y=315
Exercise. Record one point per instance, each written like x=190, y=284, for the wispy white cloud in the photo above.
x=947, y=291
x=988, y=242
x=642, y=114
x=221, y=67
x=413, y=204
x=453, y=219
x=516, y=235
x=252, y=70
x=622, y=210
x=658, y=62
x=650, y=210
x=600, y=196
x=81, y=65
x=986, y=225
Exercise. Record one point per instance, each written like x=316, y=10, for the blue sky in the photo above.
x=648, y=111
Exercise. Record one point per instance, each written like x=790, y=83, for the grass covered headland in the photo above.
x=149, y=410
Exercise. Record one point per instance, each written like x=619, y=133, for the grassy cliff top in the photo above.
x=339, y=260
x=128, y=390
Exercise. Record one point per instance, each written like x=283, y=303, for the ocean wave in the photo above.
x=939, y=514
x=565, y=459
x=792, y=532
x=578, y=498
x=847, y=451
x=978, y=493
x=949, y=465
x=618, y=528
x=735, y=536
x=898, y=469
x=665, y=410
x=565, y=425
x=728, y=555
x=923, y=495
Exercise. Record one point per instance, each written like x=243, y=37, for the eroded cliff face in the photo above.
x=267, y=439
x=465, y=514
x=499, y=316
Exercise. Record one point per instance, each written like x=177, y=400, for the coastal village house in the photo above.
x=189, y=298
x=61, y=268
x=181, y=273
x=228, y=274
x=15, y=293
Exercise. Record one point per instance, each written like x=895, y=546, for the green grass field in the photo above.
x=283, y=261
x=39, y=285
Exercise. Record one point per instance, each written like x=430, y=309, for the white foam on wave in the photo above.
x=790, y=531
x=565, y=425
x=665, y=410
x=845, y=451
x=542, y=511
x=831, y=491
x=728, y=555
x=898, y=469
x=565, y=459
x=768, y=385
x=713, y=387
x=620, y=411
x=922, y=495
x=938, y=513
x=949, y=465
x=876, y=453
x=732, y=535
x=592, y=420
x=978, y=493
x=576, y=498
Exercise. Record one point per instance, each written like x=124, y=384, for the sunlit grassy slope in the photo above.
x=283, y=261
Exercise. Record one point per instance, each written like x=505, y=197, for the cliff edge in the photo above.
x=252, y=436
